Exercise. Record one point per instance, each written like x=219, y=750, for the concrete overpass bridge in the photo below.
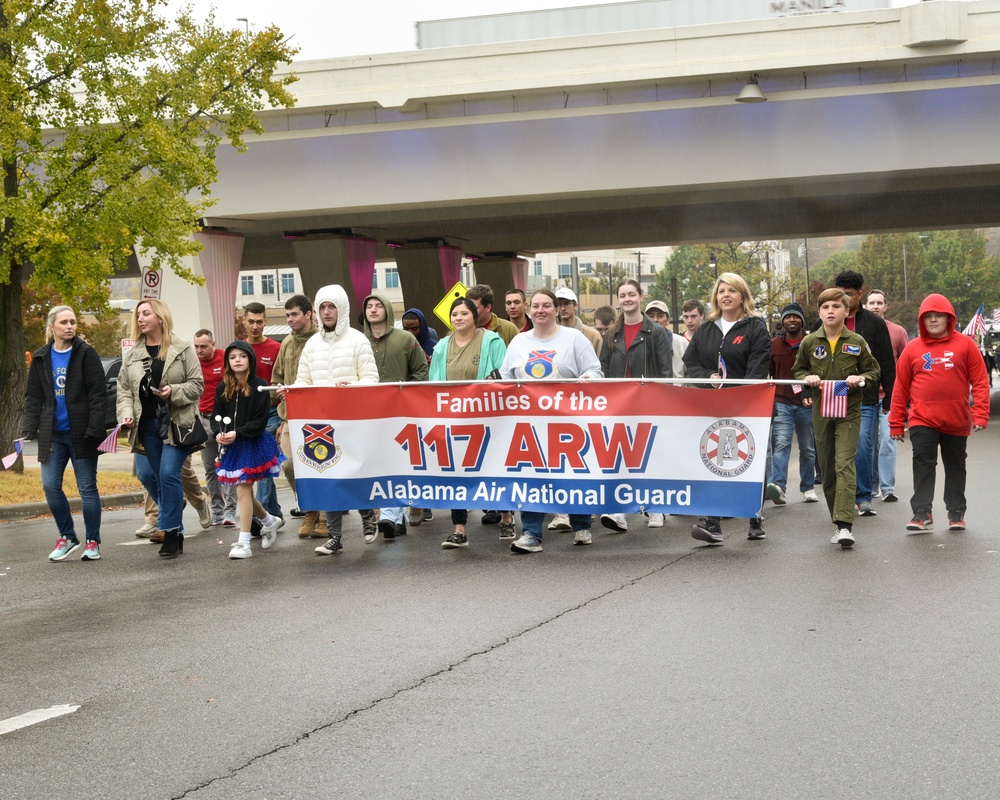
x=874, y=120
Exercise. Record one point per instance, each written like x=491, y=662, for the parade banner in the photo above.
x=573, y=447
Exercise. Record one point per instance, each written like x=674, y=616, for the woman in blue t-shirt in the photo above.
x=64, y=409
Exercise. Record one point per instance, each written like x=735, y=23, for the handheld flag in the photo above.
x=8, y=460
x=110, y=444
x=834, y=402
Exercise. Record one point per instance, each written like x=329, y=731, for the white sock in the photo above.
x=268, y=519
x=244, y=537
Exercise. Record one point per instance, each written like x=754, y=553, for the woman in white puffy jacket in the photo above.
x=337, y=355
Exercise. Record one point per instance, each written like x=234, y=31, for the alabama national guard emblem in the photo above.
x=318, y=449
x=540, y=365
x=727, y=448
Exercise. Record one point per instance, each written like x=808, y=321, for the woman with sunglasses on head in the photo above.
x=161, y=372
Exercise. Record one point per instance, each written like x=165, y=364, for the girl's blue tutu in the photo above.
x=250, y=460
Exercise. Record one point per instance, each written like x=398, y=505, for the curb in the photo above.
x=22, y=510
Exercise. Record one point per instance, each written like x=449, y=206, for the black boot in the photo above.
x=172, y=544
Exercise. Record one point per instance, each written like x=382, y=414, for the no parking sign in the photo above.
x=151, y=281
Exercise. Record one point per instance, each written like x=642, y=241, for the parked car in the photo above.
x=112, y=366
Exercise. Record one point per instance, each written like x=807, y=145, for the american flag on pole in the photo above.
x=8, y=460
x=996, y=316
x=834, y=402
x=110, y=444
x=977, y=324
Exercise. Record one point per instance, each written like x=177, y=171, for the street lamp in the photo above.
x=713, y=263
x=246, y=23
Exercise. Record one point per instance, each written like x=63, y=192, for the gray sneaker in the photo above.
x=583, y=537
x=369, y=527
x=865, y=509
x=526, y=543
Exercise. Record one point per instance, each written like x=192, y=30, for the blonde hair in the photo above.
x=166, y=322
x=50, y=320
x=740, y=285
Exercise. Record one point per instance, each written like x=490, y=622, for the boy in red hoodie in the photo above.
x=933, y=376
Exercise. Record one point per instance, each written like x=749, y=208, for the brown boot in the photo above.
x=320, y=532
x=156, y=538
x=308, y=524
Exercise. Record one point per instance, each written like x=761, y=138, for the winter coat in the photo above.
x=782, y=360
x=181, y=371
x=398, y=354
x=86, y=400
x=491, y=355
x=933, y=377
x=746, y=350
x=248, y=414
x=873, y=328
x=648, y=357
x=343, y=354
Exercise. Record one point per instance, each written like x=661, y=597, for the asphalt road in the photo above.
x=647, y=665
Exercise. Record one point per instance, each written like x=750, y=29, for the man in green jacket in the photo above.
x=400, y=359
x=301, y=319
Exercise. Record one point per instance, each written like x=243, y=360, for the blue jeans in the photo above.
x=161, y=475
x=531, y=522
x=789, y=419
x=863, y=466
x=884, y=474
x=267, y=494
x=85, y=469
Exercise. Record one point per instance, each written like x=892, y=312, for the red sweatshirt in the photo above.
x=933, y=376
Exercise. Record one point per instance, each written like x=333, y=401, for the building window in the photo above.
x=565, y=271
x=538, y=268
x=374, y=280
x=246, y=285
x=391, y=278
x=288, y=283
x=267, y=284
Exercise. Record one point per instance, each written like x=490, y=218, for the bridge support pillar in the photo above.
x=502, y=273
x=220, y=258
x=426, y=272
x=347, y=260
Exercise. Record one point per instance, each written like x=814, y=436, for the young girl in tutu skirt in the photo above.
x=247, y=452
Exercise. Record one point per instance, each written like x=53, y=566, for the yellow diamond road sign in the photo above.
x=443, y=309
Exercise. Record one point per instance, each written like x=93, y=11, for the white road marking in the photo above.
x=130, y=544
x=34, y=717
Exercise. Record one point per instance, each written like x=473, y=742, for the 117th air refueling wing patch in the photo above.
x=318, y=449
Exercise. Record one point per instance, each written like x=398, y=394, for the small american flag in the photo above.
x=834, y=403
x=110, y=445
x=8, y=460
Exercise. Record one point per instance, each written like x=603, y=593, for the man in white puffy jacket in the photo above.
x=337, y=355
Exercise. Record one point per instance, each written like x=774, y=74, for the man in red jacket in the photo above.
x=933, y=376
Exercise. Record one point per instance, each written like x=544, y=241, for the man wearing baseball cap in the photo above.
x=792, y=413
x=657, y=311
x=566, y=305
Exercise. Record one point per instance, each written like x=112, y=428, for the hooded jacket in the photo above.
x=398, y=354
x=648, y=357
x=746, y=350
x=248, y=414
x=86, y=400
x=343, y=354
x=428, y=336
x=933, y=377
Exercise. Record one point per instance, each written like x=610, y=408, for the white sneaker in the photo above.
x=615, y=522
x=268, y=533
x=582, y=537
x=241, y=550
x=147, y=530
x=205, y=514
x=843, y=537
x=809, y=495
x=655, y=521
x=560, y=522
